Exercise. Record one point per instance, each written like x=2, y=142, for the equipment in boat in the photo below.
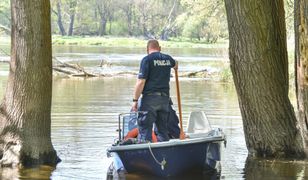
x=197, y=153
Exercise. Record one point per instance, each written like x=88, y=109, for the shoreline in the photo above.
x=58, y=41
x=67, y=73
x=130, y=42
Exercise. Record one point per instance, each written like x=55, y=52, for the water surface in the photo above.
x=84, y=119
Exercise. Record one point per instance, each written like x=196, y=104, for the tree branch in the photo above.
x=5, y=29
x=56, y=13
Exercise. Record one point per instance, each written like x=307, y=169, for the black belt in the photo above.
x=157, y=94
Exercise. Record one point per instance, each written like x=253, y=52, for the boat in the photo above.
x=200, y=151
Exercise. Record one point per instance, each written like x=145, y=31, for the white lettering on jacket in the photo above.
x=162, y=63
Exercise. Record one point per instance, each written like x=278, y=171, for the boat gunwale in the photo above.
x=171, y=143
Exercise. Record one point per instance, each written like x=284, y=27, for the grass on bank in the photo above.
x=108, y=41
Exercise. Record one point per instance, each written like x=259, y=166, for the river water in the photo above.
x=84, y=117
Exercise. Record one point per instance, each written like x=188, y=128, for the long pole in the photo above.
x=182, y=135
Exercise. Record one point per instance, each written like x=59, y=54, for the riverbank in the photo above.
x=218, y=72
x=110, y=41
x=130, y=42
x=122, y=55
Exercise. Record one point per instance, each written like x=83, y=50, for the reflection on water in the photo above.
x=128, y=59
x=84, y=119
x=276, y=169
x=207, y=175
x=39, y=173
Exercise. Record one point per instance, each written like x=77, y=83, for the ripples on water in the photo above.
x=84, y=120
x=84, y=123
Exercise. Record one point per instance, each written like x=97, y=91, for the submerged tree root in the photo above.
x=13, y=157
x=50, y=159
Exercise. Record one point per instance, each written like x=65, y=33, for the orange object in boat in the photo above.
x=134, y=133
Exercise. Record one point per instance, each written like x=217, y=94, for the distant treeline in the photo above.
x=193, y=20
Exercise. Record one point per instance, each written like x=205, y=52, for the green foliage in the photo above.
x=111, y=41
x=225, y=74
x=192, y=28
x=193, y=20
x=203, y=19
x=149, y=18
x=5, y=16
x=117, y=28
x=289, y=15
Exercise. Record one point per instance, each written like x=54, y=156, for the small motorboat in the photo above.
x=199, y=152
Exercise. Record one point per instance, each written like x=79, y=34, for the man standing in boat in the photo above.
x=153, y=83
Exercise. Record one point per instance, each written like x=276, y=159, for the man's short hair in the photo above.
x=153, y=44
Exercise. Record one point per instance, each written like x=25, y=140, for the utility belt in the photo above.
x=157, y=94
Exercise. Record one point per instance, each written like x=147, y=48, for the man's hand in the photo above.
x=138, y=89
x=176, y=66
x=183, y=135
x=134, y=106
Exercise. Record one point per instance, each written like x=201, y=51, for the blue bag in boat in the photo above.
x=173, y=124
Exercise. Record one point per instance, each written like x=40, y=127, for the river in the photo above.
x=84, y=117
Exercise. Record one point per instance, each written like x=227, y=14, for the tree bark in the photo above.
x=25, y=120
x=129, y=14
x=102, y=26
x=164, y=35
x=103, y=8
x=259, y=64
x=72, y=12
x=59, y=19
x=301, y=64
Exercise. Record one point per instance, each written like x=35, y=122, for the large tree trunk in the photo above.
x=59, y=20
x=25, y=119
x=259, y=64
x=301, y=64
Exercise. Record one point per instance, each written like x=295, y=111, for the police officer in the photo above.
x=153, y=84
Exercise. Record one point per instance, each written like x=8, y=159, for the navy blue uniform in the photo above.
x=155, y=68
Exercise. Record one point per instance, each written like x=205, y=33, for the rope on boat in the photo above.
x=162, y=163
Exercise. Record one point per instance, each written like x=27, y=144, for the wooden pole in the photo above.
x=182, y=135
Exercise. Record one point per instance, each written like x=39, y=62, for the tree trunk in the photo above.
x=71, y=26
x=110, y=19
x=59, y=20
x=72, y=13
x=104, y=14
x=259, y=64
x=129, y=14
x=25, y=119
x=164, y=35
x=102, y=27
x=301, y=64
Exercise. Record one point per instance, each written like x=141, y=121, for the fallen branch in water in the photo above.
x=4, y=61
x=126, y=73
x=105, y=63
x=61, y=70
x=71, y=69
x=202, y=73
x=5, y=29
x=75, y=70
